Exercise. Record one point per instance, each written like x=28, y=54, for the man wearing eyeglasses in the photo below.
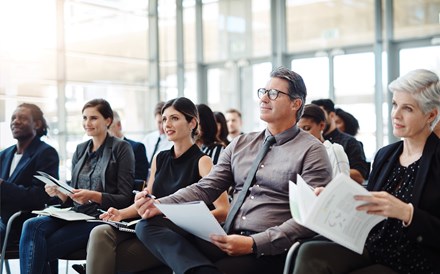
x=262, y=229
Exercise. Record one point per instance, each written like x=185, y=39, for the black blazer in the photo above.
x=21, y=191
x=425, y=225
x=117, y=176
x=141, y=161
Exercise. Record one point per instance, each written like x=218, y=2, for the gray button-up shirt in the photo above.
x=266, y=209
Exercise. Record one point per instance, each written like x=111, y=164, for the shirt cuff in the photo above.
x=411, y=216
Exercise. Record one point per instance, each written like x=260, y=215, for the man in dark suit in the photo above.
x=140, y=154
x=19, y=190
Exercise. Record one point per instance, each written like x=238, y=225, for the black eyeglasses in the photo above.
x=271, y=93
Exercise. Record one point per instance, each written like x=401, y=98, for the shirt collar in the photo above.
x=284, y=136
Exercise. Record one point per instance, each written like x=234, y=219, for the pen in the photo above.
x=147, y=195
x=100, y=210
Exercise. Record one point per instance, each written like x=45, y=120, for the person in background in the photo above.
x=346, y=122
x=20, y=162
x=110, y=250
x=206, y=139
x=262, y=230
x=156, y=141
x=102, y=176
x=140, y=156
x=234, y=123
x=359, y=167
x=404, y=185
x=222, y=128
x=313, y=121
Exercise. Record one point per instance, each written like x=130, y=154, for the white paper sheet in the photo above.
x=333, y=213
x=193, y=217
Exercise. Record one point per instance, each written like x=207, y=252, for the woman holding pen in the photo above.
x=102, y=176
x=110, y=250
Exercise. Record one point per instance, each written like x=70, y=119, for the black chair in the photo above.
x=9, y=250
x=293, y=251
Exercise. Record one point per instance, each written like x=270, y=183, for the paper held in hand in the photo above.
x=333, y=213
x=51, y=181
x=193, y=217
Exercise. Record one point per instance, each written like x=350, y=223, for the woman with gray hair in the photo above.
x=404, y=185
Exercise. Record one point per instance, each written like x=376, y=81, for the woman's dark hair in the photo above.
x=350, y=122
x=37, y=115
x=102, y=106
x=187, y=108
x=207, y=124
x=314, y=112
x=223, y=134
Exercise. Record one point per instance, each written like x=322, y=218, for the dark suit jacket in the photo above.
x=140, y=157
x=21, y=191
x=425, y=225
x=117, y=176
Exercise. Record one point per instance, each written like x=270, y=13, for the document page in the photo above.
x=194, y=217
x=63, y=213
x=51, y=181
x=333, y=214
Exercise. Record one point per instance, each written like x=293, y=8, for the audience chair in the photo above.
x=293, y=251
x=290, y=257
x=9, y=251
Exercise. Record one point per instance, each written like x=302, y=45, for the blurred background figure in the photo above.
x=222, y=128
x=359, y=167
x=346, y=122
x=156, y=141
x=234, y=122
x=207, y=137
x=140, y=155
x=313, y=121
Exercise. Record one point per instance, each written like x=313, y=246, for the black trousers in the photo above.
x=182, y=251
x=318, y=256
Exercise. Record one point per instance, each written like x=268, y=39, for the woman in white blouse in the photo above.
x=313, y=121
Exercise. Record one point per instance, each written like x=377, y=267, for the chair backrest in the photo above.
x=9, y=251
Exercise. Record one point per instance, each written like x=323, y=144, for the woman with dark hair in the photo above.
x=207, y=137
x=19, y=163
x=102, y=176
x=222, y=128
x=313, y=122
x=346, y=122
x=110, y=250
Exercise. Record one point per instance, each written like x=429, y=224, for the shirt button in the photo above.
x=243, y=218
x=257, y=185
x=262, y=166
x=252, y=197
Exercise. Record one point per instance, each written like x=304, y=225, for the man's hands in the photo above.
x=234, y=245
x=53, y=191
x=145, y=205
